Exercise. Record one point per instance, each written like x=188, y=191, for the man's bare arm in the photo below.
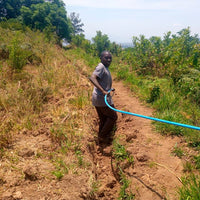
x=94, y=80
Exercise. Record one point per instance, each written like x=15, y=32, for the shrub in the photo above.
x=18, y=56
x=154, y=94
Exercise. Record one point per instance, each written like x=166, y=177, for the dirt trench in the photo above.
x=156, y=172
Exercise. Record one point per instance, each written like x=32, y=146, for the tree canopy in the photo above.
x=102, y=42
x=39, y=14
x=76, y=23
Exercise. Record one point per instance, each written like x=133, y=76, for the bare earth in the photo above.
x=156, y=172
x=27, y=174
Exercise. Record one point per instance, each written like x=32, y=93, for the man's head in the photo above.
x=106, y=58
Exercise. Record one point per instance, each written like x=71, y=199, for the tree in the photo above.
x=2, y=9
x=76, y=23
x=28, y=3
x=47, y=14
x=38, y=14
x=101, y=42
x=115, y=48
x=59, y=20
x=9, y=9
x=59, y=3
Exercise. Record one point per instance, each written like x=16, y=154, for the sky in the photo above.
x=120, y=20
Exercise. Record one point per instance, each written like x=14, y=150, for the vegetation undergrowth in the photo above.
x=162, y=96
x=168, y=102
x=43, y=87
x=167, y=80
x=122, y=160
x=39, y=78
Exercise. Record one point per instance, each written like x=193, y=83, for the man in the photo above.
x=102, y=80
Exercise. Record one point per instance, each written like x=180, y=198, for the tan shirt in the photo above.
x=105, y=80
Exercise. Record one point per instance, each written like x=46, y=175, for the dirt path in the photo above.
x=155, y=172
x=26, y=168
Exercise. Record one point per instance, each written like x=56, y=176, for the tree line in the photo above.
x=175, y=57
x=50, y=17
x=43, y=15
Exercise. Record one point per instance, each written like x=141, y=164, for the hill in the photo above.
x=48, y=130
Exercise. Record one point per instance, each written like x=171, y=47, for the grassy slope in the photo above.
x=48, y=97
x=25, y=94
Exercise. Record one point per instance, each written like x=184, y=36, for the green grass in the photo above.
x=197, y=161
x=120, y=153
x=191, y=188
x=80, y=101
x=61, y=168
x=43, y=87
x=94, y=187
x=124, y=194
x=168, y=102
x=79, y=155
x=188, y=167
x=58, y=174
x=177, y=151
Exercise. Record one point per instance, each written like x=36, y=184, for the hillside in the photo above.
x=48, y=129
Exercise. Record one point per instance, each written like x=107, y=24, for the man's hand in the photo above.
x=106, y=93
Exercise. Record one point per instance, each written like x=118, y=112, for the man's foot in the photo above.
x=101, y=140
x=106, y=141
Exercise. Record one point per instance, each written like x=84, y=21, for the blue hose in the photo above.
x=151, y=118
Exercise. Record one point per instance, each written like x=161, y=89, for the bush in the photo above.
x=13, y=24
x=18, y=55
x=189, y=85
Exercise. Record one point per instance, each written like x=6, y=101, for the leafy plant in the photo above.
x=154, y=94
x=58, y=133
x=124, y=194
x=79, y=155
x=58, y=174
x=169, y=67
x=178, y=151
x=61, y=168
x=121, y=154
x=94, y=188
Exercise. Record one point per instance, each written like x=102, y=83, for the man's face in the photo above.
x=106, y=59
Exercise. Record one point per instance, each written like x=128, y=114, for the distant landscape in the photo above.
x=126, y=45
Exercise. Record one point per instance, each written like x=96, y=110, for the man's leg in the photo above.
x=109, y=118
x=102, y=119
